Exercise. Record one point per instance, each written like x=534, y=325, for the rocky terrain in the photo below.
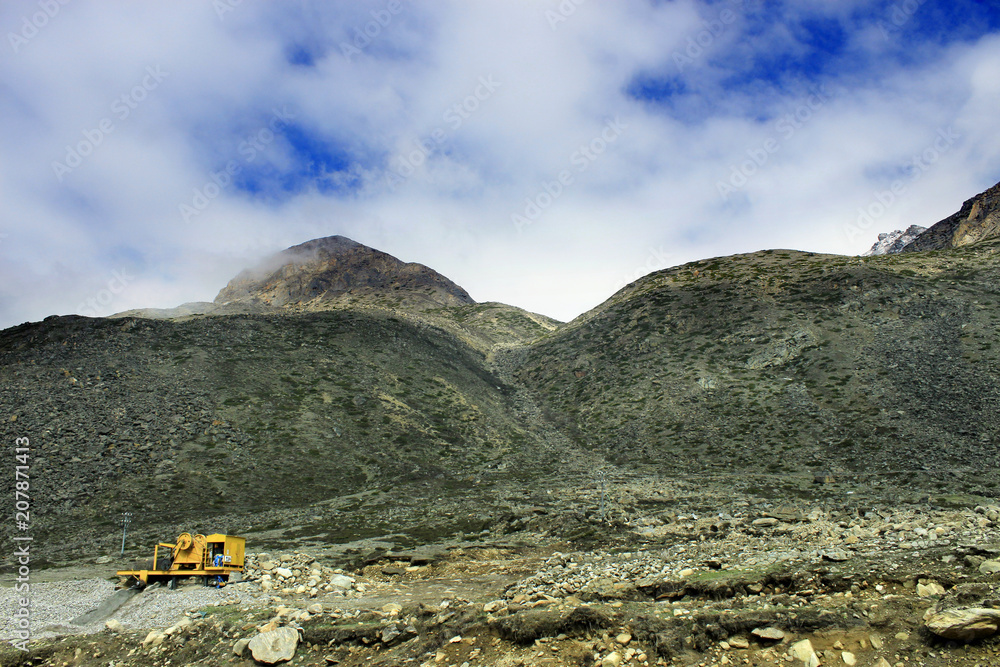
x=722, y=461
x=796, y=583
x=978, y=220
x=892, y=242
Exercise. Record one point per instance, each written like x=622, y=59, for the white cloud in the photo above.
x=652, y=193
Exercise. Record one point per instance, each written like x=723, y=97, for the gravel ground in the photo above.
x=55, y=604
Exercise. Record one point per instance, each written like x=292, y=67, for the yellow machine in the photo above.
x=215, y=557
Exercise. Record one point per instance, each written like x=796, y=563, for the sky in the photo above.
x=541, y=153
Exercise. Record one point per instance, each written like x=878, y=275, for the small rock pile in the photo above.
x=298, y=573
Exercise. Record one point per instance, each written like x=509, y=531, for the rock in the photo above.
x=739, y=642
x=275, y=646
x=876, y=642
x=836, y=555
x=389, y=633
x=849, y=658
x=771, y=634
x=240, y=647
x=882, y=662
x=114, y=625
x=686, y=572
x=283, y=572
x=315, y=609
x=612, y=660
x=803, y=651
x=766, y=522
x=154, y=638
x=623, y=639
x=491, y=607
x=963, y=624
x=341, y=582
x=989, y=567
x=929, y=589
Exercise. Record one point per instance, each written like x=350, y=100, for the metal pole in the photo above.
x=126, y=518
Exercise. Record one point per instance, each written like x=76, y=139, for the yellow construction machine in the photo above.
x=216, y=557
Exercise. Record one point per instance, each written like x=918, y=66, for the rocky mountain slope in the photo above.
x=760, y=368
x=893, y=242
x=978, y=219
x=354, y=396
x=336, y=270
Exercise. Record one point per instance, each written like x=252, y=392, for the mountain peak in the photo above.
x=978, y=220
x=336, y=270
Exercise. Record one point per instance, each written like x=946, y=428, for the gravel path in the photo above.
x=55, y=604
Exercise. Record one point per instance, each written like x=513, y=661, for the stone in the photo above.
x=240, y=647
x=963, y=624
x=624, y=638
x=392, y=608
x=836, y=555
x=686, y=572
x=342, y=582
x=803, y=652
x=849, y=658
x=283, y=572
x=771, y=634
x=315, y=609
x=114, y=625
x=929, y=589
x=389, y=633
x=876, y=642
x=766, y=522
x=154, y=638
x=612, y=660
x=275, y=646
x=882, y=662
x=495, y=605
x=989, y=567
x=739, y=642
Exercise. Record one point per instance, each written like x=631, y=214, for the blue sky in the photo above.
x=540, y=153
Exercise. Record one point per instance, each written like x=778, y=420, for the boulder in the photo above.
x=803, y=652
x=989, y=567
x=341, y=582
x=963, y=624
x=275, y=646
x=770, y=634
x=929, y=589
x=240, y=647
x=766, y=522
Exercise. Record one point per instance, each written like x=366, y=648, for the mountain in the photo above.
x=893, y=242
x=336, y=270
x=978, y=219
x=758, y=369
x=336, y=393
